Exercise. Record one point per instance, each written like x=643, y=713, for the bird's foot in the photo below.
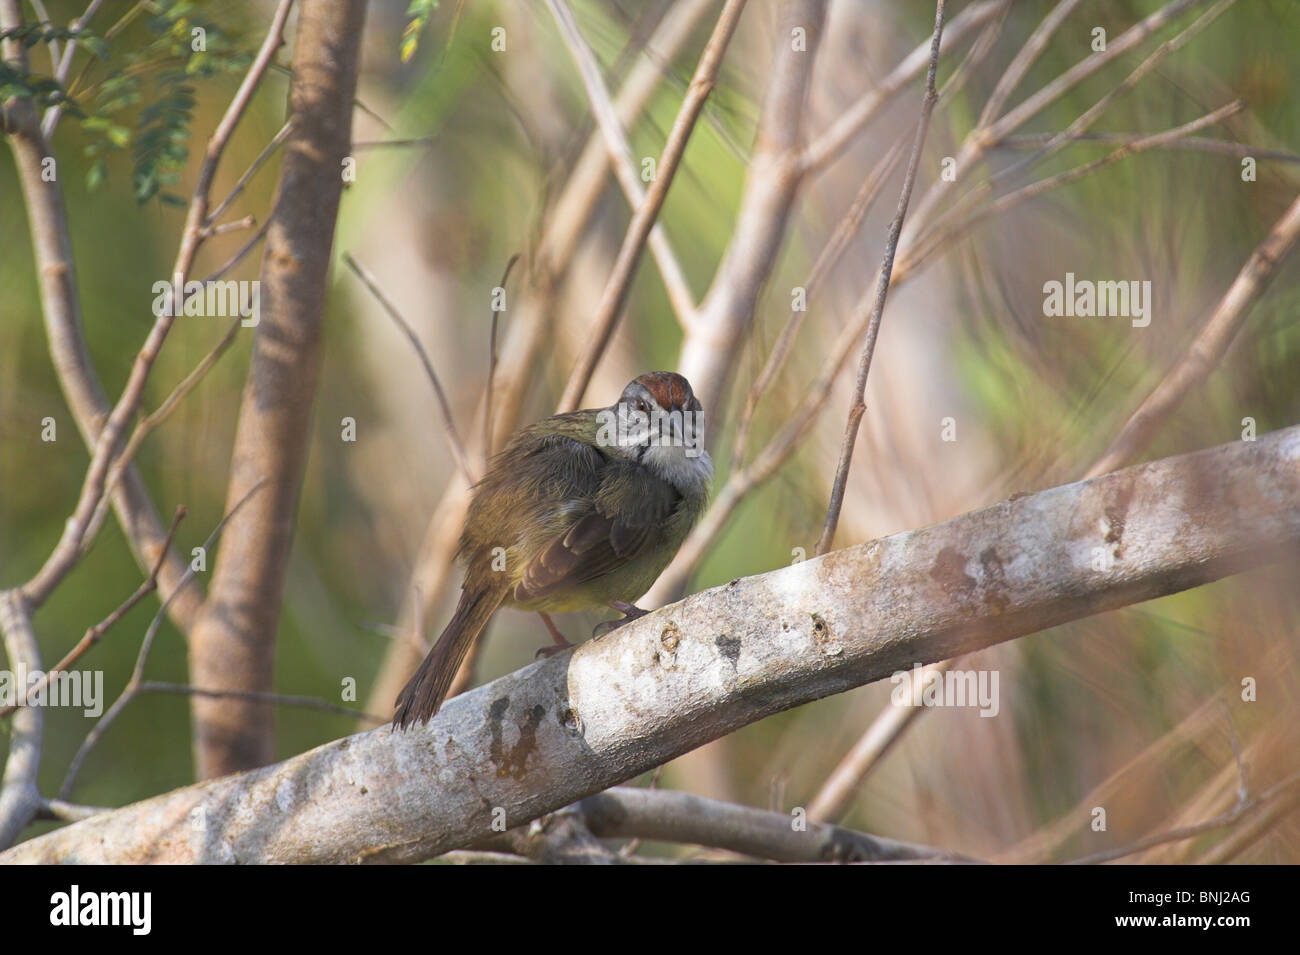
x=561, y=644
x=629, y=613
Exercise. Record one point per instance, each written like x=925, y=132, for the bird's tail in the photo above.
x=425, y=691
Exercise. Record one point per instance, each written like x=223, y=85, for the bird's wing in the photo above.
x=626, y=515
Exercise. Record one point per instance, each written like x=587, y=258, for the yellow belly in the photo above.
x=628, y=583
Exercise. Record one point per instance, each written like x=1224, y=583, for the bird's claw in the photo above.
x=629, y=613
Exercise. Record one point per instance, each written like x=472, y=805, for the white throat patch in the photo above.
x=688, y=473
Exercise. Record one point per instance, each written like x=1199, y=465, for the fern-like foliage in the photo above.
x=137, y=93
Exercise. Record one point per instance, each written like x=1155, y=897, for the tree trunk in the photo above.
x=234, y=641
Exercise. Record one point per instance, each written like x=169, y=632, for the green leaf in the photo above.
x=419, y=11
x=96, y=174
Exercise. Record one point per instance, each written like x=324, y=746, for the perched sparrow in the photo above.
x=578, y=511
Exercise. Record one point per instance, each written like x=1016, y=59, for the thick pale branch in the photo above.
x=565, y=728
x=19, y=798
x=771, y=183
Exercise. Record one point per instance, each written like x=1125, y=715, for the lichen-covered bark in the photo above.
x=559, y=730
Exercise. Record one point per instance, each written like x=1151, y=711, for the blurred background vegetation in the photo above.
x=1035, y=399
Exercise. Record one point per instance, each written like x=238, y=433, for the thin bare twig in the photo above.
x=52, y=114
x=444, y=406
x=1209, y=346
x=932, y=242
x=621, y=160
x=976, y=55
x=57, y=810
x=1233, y=815
x=256, y=164
x=118, y=26
x=835, y=797
x=989, y=132
x=95, y=633
x=45, y=21
x=246, y=248
x=492, y=369
x=1025, y=57
x=1189, y=144
x=669, y=816
x=1094, y=112
x=151, y=421
x=1077, y=128
x=1243, y=837
x=826, y=147
x=1042, y=845
x=619, y=283
x=236, y=225
x=826, y=260
x=137, y=673
x=71, y=544
x=1048, y=94
x=395, y=143
x=281, y=699
x=882, y=290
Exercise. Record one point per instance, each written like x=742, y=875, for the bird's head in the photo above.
x=658, y=422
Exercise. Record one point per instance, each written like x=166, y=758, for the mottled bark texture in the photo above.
x=578, y=723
